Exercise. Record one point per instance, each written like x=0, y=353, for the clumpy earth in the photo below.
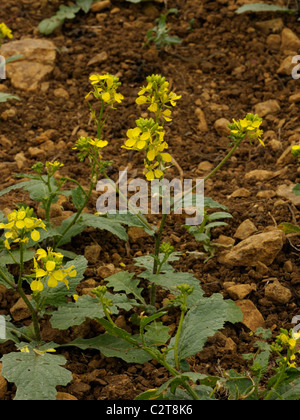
x=226, y=66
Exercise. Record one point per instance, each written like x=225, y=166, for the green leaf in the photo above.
x=77, y=197
x=35, y=375
x=4, y=273
x=75, y=313
x=6, y=258
x=289, y=228
x=156, y=334
x=237, y=384
x=111, y=346
x=6, y=96
x=170, y=280
x=212, y=204
x=296, y=189
x=67, y=12
x=90, y=220
x=261, y=7
x=219, y=215
x=37, y=189
x=47, y=26
x=202, y=322
x=85, y=5
x=123, y=281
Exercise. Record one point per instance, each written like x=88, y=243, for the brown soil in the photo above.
x=204, y=69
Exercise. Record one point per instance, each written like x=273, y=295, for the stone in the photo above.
x=275, y=144
x=266, y=194
x=202, y=125
x=136, y=233
x=274, y=41
x=221, y=127
x=19, y=310
x=107, y=270
x=277, y=293
x=285, y=191
x=295, y=98
x=92, y=253
x=245, y=229
x=289, y=40
x=205, y=167
x=61, y=93
x=263, y=247
x=268, y=107
x=240, y=193
x=261, y=175
x=252, y=318
x=239, y=291
x=100, y=5
x=20, y=159
x=286, y=66
x=271, y=25
x=65, y=396
x=98, y=58
x=37, y=62
x=3, y=385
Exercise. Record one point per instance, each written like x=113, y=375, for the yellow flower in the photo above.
x=296, y=150
x=20, y=224
x=50, y=269
x=105, y=88
x=5, y=31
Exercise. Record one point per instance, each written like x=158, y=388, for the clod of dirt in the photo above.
x=277, y=293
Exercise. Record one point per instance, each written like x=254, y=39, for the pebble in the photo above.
x=263, y=247
x=19, y=310
x=136, y=233
x=61, y=93
x=92, y=253
x=268, y=107
x=245, y=229
x=65, y=396
x=100, y=5
x=277, y=293
x=286, y=66
x=239, y=291
x=240, y=193
x=107, y=270
x=37, y=62
x=252, y=318
x=261, y=175
x=202, y=125
x=285, y=191
x=98, y=58
x=221, y=127
x=289, y=40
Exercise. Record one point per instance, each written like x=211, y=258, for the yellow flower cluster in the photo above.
x=249, y=126
x=158, y=96
x=288, y=340
x=5, y=31
x=149, y=136
x=20, y=224
x=85, y=144
x=48, y=265
x=105, y=88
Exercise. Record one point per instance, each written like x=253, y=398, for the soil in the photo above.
x=224, y=66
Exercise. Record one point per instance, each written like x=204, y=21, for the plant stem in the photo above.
x=177, y=366
x=279, y=380
x=26, y=300
x=6, y=279
x=156, y=254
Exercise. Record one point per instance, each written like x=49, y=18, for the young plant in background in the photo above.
x=159, y=34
